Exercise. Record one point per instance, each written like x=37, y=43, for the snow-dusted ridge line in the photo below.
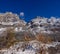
x=44, y=25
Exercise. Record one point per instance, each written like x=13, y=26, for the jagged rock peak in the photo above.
x=10, y=18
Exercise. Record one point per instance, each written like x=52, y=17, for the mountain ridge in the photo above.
x=40, y=36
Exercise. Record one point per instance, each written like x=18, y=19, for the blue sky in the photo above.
x=32, y=8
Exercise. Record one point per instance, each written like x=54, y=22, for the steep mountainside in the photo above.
x=40, y=36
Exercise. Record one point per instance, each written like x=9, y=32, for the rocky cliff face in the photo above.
x=39, y=36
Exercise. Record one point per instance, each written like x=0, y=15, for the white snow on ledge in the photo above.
x=18, y=52
x=9, y=23
x=26, y=52
x=18, y=29
x=2, y=30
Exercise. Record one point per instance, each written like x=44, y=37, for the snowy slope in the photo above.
x=44, y=25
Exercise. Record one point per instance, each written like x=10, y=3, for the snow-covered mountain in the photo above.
x=44, y=25
x=36, y=25
x=25, y=36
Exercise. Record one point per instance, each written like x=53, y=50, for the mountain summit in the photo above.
x=10, y=18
